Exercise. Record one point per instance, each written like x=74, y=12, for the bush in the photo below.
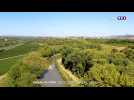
x=129, y=54
x=46, y=51
x=118, y=59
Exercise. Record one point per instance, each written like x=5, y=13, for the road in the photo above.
x=51, y=76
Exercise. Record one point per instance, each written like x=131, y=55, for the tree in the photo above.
x=78, y=62
x=46, y=51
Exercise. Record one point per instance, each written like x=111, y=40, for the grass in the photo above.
x=7, y=63
x=18, y=50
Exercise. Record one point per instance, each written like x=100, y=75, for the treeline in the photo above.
x=120, y=41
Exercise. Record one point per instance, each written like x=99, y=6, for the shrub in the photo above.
x=118, y=59
x=129, y=54
x=46, y=51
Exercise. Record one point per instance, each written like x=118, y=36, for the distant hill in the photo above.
x=130, y=37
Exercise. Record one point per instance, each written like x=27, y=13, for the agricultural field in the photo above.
x=5, y=64
x=93, y=62
x=10, y=54
x=18, y=50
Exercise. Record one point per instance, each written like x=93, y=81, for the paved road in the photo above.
x=51, y=76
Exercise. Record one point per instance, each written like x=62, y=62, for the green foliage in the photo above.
x=108, y=66
x=46, y=51
x=108, y=75
x=77, y=61
x=27, y=70
x=125, y=80
x=105, y=73
x=120, y=42
x=118, y=59
x=129, y=53
x=5, y=41
x=6, y=64
x=100, y=62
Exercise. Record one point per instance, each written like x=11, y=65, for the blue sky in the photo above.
x=65, y=23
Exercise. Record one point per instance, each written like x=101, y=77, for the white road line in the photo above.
x=12, y=57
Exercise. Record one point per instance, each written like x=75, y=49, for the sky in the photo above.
x=66, y=23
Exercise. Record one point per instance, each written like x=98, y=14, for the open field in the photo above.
x=18, y=50
x=11, y=54
x=5, y=64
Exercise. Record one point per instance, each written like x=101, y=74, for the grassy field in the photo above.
x=19, y=50
x=7, y=63
x=6, y=60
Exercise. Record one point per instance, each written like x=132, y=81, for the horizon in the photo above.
x=66, y=36
x=65, y=24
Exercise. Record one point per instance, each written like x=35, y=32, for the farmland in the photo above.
x=18, y=50
x=7, y=63
x=10, y=54
x=94, y=62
